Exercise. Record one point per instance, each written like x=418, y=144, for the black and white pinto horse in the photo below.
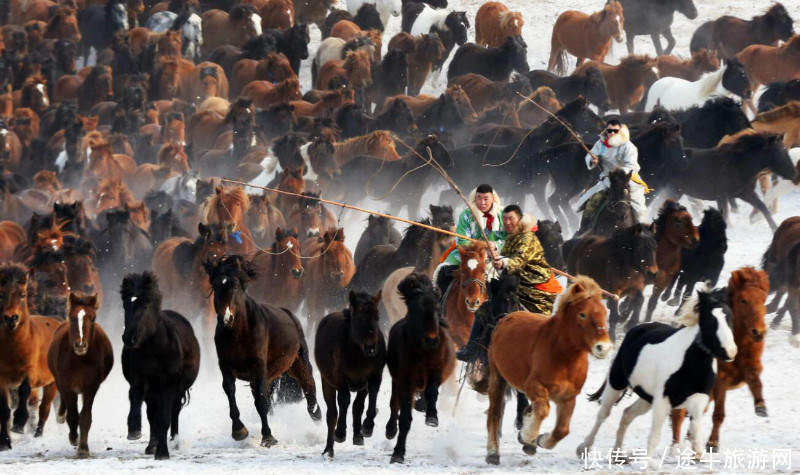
x=451, y=26
x=668, y=368
x=190, y=25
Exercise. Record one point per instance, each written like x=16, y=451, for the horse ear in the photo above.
x=278, y=233
x=203, y=230
x=218, y=189
x=92, y=301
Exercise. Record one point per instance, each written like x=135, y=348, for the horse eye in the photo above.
x=582, y=315
x=743, y=301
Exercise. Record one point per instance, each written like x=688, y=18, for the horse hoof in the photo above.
x=61, y=419
x=391, y=431
x=38, y=432
x=398, y=459
x=162, y=456
x=420, y=405
x=134, y=435
x=316, y=415
x=432, y=421
x=366, y=429
x=340, y=436
x=268, y=441
x=150, y=450
x=540, y=439
x=73, y=440
x=761, y=411
x=529, y=449
x=493, y=459
x=83, y=453
x=240, y=434
x=673, y=302
x=712, y=447
x=358, y=439
x=5, y=444
x=18, y=429
x=328, y=452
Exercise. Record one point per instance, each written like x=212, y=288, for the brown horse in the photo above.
x=585, y=36
x=420, y=357
x=701, y=62
x=290, y=180
x=766, y=64
x=378, y=144
x=256, y=343
x=422, y=102
x=24, y=340
x=48, y=284
x=110, y=193
x=26, y=125
x=784, y=120
x=33, y=94
x=484, y=93
x=280, y=272
x=531, y=116
x=494, y=22
x=10, y=149
x=422, y=52
x=105, y=165
x=355, y=67
x=274, y=68
x=328, y=270
x=327, y=104
x=63, y=25
x=467, y=292
x=228, y=206
x=627, y=81
x=207, y=80
x=263, y=219
x=11, y=236
x=168, y=82
x=782, y=263
x=674, y=233
x=546, y=358
x=80, y=359
x=265, y=94
x=82, y=273
x=277, y=14
x=234, y=28
x=747, y=293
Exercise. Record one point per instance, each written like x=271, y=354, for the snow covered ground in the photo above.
x=749, y=443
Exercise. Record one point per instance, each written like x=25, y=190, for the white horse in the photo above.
x=668, y=368
x=386, y=8
x=676, y=93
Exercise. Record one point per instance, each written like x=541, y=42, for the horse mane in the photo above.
x=13, y=273
x=739, y=137
x=45, y=257
x=788, y=110
x=582, y=288
x=711, y=80
x=670, y=207
x=148, y=282
x=241, y=12
x=689, y=313
x=776, y=11
x=747, y=277
x=237, y=196
x=634, y=60
x=793, y=45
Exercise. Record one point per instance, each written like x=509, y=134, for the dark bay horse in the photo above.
x=80, y=359
x=654, y=18
x=615, y=212
x=547, y=358
x=160, y=361
x=350, y=352
x=782, y=263
x=256, y=343
x=420, y=357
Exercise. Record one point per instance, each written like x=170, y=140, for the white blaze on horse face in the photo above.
x=289, y=245
x=134, y=298
x=724, y=333
x=54, y=244
x=312, y=232
x=40, y=88
x=256, y=19
x=228, y=317
x=81, y=314
x=655, y=70
x=224, y=280
x=3, y=132
x=472, y=264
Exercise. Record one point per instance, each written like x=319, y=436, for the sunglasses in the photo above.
x=612, y=131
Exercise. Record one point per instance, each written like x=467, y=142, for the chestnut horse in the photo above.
x=265, y=94
x=328, y=270
x=467, y=292
x=546, y=358
x=278, y=14
x=674, y=233
x=784, y=120
x=355, y=67
x=627, y=81
x=263, y=219
x=701, y=62
x=585, y=36
x=106, y=165
x=11, y=236
x=494, y=22
x=280, y=272
x=80, y=359
x=767, y=64
x=24, y=340
x=228, y=206
x=420, y=357
x=207, y=80
x=747, y=293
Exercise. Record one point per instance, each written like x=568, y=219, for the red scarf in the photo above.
x=605, y=142
x=489, y=220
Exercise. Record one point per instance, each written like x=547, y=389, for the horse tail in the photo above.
x=595, y=396
x=558, y=55
x=186, y=398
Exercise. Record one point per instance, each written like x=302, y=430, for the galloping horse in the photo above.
x=547, y=358
x=228, y=206
x=467, y=292
x=280, y=271
x=585, y=36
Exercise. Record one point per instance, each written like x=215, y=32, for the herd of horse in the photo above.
x=112, y=178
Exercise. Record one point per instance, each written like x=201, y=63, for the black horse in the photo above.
x=350, y=352
x=98, y=23
x=615, y=211
x=552, y=240
x=589, y=83
x=734, y=168
x=379, y=231
x=292, y=42
x=703, y=263
x=367, y=18
x=160, y=361
x=654, y=18
x=493, y=63
x=389, y=78
x=704, y=126
x=122, y=246
x=779, y=93
x=354, y=122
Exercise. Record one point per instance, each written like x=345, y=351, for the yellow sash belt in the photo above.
x=637, y=179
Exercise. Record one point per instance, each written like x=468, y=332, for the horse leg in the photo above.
x=695, y=405
x=563, y=416
x=135, y=396
x=238, y=430
x=5, y=413
x=152, y=420
x=49, y=394
x=670, y=285
x=394, y=408
x=406, y=396
x=753, y=199
x=720, y=392
x=794, y=310
x=163, y=415
x=21, y=413
x=494, y=417
x=629, y=43
x=670, y=40
x=661, y=410
x=657, y=43
x=752, y=377
x=613, y=318
x=343, y=397
x=329, y=395
x=677, y=416
x=637, y=300
x=373, y=387
x=302, y=373
x=639, y=407
x=522, y=404
x=358, y=410
x=775, y=303
x=70, y=400
x=431, y=396
x=608, y=398
x=86, y=420
x=534, y=415
x=261, y=393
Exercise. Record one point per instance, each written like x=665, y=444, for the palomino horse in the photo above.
x=747, y=292
x=256, y=343
x=674, y=233
x=420, y=357
x=467, y=292
x=350, y=352
x=280, y=272
x=547, y=358
x=329, y=268
x=80, y=359
x=585, y=36
x=228, y=206
x=24, y=339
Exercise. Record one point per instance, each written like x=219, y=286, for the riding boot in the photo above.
x=470, y=351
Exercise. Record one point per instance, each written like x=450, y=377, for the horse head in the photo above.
x=778, y=159
x=82, y=315
x=63, y=24
x=458, y=23
x=516, y=51
x=13, y=296
x=141, y=303
x=337, y=261
x=735, y=79
x=712, y=230
x=686, y=7
x=715, y=334
x=639, y=244
x=368, y=18
x=286, y=243
x=595, y=88
x=424, y=314
x=674, y=224
x=582, y=119
x=472, y=273
x=611, y=20
x=747, y=294
x=584, y=313
x=442, y=217
x=229, y=278
x=549, y=234
x=429, y=48
x=364, y=322
x=778, y=23
x=381, y=144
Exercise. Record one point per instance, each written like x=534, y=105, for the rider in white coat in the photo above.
x=615, y=150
